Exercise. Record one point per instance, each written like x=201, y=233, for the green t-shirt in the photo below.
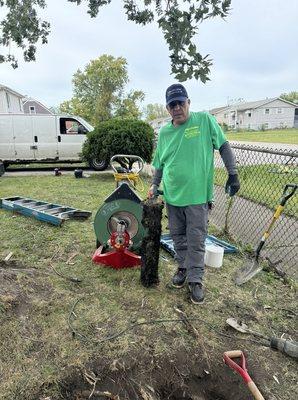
x=185, y=154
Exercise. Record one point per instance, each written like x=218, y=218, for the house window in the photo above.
x=267, y=110
x=249, y=114
x=7, y=100
x=279, y=111
x=21, y=105
x=266, y=125
x=32, y=110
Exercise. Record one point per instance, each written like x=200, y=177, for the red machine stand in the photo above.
x=116, y=258
x=120, y=256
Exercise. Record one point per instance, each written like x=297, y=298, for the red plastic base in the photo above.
x=116, y=258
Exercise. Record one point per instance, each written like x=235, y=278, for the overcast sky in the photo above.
x=254, y=53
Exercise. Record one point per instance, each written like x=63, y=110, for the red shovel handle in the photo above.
x=241, y=369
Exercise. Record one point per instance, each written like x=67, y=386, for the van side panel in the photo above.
x=45, y=137
x=23, y=137
x=6, y=138
x=29, y=138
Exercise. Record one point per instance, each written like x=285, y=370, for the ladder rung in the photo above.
x=55, y=210
x=41, y=207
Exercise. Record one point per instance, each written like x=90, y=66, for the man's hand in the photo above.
x=232, y=185
x=152, y=191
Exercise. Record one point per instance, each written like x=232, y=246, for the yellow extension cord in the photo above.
x=132, y=177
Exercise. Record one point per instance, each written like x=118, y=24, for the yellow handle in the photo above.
x=234, y=353
x=255, y=391
x=278, y=211
x=276, y=215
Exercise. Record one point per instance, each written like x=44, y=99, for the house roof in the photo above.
x=2, y=87
x=161, y=119
x=218, y=109
x=252, y=104
x=249, y=105
x=29, y=99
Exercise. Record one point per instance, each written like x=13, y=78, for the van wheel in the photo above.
x=2, y=169
x=99, y=165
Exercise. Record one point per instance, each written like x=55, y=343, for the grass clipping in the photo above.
x=152, y=215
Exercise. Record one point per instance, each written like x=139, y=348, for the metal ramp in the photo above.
x=43, y=211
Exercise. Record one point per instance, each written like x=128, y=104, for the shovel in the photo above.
x=243, y=328
x=253, y=267
x=288, y=347
x=241, y=369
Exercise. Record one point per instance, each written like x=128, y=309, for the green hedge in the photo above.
x=119, y=137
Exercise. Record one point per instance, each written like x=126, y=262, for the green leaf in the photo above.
x=178, y=21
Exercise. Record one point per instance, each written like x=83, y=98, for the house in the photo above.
x=10, y=101
x=32, y=106
x=263, y=114
x=158, y=123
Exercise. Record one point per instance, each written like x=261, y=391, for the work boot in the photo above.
x=179, y=278
x=196, y=292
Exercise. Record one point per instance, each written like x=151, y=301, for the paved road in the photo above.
x=251, y=157
x=50, y=171
x=275, y=146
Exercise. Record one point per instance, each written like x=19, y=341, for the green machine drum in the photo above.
x=123, y=206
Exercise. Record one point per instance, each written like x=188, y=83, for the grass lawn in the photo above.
x=108, y=337
x=264, y=184
x=289, y=136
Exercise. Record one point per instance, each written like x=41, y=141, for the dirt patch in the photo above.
x=18, y=286
x=145, y=377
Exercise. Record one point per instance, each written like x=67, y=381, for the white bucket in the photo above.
x=214, y=256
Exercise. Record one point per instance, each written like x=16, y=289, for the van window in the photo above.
x=70, y=126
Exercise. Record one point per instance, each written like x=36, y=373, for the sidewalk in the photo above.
x=249, y=229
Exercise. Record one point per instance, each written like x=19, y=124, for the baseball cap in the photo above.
x=176, y=92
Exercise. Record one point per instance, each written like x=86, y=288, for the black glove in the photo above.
x=232, y=185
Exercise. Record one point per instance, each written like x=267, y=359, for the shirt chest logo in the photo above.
x=191, y=132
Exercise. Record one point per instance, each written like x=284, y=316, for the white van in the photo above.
x=26, y=138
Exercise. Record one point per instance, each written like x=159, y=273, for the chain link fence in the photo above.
x=263, y=172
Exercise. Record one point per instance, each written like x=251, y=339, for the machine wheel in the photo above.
x=98, y=165
x=105, y=220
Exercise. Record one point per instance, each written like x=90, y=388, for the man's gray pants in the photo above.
x=188, y=229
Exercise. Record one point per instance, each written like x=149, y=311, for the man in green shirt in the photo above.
x=184, y=161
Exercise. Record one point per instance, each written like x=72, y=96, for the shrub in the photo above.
x=117, y=136
x=224, y=126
